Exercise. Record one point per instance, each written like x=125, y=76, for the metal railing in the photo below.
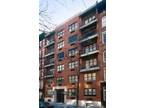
x=49, y=52
x=50, y=61
x=49, y=42
x=88, y=50
x=89, y=68
x=86, y=35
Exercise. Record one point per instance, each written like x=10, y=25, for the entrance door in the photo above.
x=60, y=95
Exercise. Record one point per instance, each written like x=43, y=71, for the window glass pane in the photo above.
x=91, y=47
x=76, y=63
x=86, y=21
x=95, y=62
x=91, y=62
x=93, y=17
x=94, y=47
x=61, y=55
x=87, y=49
x=104, y=56
x=104, y=21
x=72, y=39
x=94, y=92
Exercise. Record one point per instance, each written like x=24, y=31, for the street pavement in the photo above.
x=59, y=105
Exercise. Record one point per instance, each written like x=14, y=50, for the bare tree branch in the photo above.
x=45, y=21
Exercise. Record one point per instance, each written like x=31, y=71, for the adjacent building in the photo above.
x=74, y=61
x=41, y=62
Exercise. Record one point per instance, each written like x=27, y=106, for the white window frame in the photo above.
x=104, y=93
x=104, y=74
x=90, y=77
x=73, y=27
x=73, y=78
x=103, y=21
x=60, y=33
x=61, y=44
x=89, y=92
x=60, y=68
x=49, y=92
x=73, y=64
x=104, y=56
x=103, y=37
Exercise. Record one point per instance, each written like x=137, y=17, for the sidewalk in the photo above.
x=60, y=105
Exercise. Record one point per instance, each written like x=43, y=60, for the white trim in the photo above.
x=85, y=25
x=103, y=21
x=89, y=53
x=83, y=103
x=104, y=58
x=89, y=37
x=90, y=69
x=59, y=87
x=103, y=37
x=104, y=74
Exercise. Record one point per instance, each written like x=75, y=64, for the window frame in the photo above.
x=60, y=44
x=73, y=64
x=89, y=77
x=60, y=55
x=70, y=38
x=73, y=78
x=72, y=52
x=71, y=91
x=60, y=33
x=87, y=93
x=103, y=21
x=72, y=27
x=104, y=42
x=60, y=68
x=104, y=56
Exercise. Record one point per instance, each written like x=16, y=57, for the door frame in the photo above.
x=59, y=87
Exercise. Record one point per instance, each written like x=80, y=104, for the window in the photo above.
x=72, y=39
x=72, y=65
x=60, y=68
x=89, y=19
x=90, y=92
x=49, y=92
x=61, y=56
x=104, y=74
x=72, y=92
x=73, y=27
x=104, y=93
x=72, y=52
x=104, y=37
x=103, y=21
x=49, y=81
x=104, y=56
x=93, y=17
x=73, y=79
x=60, y=80
x=90, y=77
x=91, y=62
x=86, y=21
x=60, y=44
x=60, y=33
x=89, y=48
x=40, y=43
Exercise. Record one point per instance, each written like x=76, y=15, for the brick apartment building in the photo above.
x=73, y=59
x=41, y=61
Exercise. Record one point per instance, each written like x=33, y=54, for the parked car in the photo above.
x=42, y=103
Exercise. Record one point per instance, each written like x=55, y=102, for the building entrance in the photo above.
x=60, y=95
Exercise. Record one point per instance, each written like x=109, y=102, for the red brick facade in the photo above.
x=89, y=66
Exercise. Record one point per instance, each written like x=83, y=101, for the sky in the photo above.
x=61, y=10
